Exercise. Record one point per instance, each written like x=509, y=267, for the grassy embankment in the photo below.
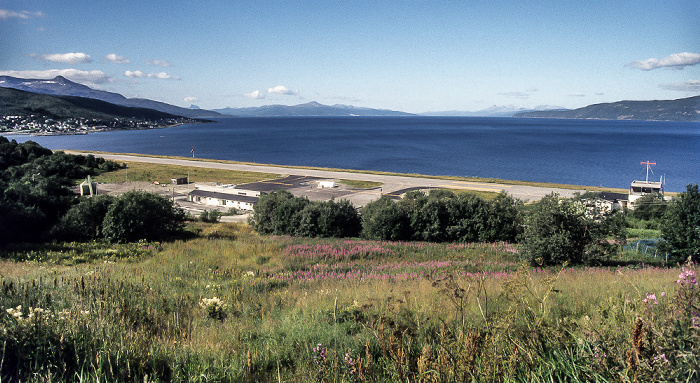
x=228, y=305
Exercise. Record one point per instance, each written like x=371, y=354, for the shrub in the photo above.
x=560, y=230
x=83, y=222
x=139, y=215
x=681, y=228
x=210, y=216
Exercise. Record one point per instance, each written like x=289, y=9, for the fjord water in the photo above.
x=580, y=152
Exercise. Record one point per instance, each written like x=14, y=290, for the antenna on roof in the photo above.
x=648, y=164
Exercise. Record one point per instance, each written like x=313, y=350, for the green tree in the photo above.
x=504, y=222
x=83, y=222
x=650, y=207
x=338, y=219
x=681, y=228
x=264, y=211
x=137, y=215
x=383, y=219
x=562, y=230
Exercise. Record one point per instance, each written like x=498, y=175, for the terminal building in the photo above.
x=227, y=196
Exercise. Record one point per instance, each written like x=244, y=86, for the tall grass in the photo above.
x=232, y=306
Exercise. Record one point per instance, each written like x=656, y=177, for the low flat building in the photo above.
x=227, y=199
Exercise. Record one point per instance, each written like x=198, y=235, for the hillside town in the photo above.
x=42, y=125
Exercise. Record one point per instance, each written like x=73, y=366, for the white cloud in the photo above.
x=522, y=95
x=80, y=76
x=7, y=14
x=68, y=58
x=577, y=94
x=281, y=89
x=688, y=86
x=115, y=58
x=191, y=99
x=256, y=94
x=139, y=74
x=134, y=74
x=162, y=63
x=676, y=60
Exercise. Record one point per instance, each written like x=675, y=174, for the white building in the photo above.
x=224, y=196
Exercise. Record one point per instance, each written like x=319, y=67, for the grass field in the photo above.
x=228, y=305
x=147, y=172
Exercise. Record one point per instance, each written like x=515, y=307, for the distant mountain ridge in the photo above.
x=683, y=109
x=60, y=86
x=309, y=109
x=15, y=102
x=492, y=111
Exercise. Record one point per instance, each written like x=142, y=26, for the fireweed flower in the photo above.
x=319, y=353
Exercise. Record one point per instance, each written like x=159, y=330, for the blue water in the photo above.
x=582, y=152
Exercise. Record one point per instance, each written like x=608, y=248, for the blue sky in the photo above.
x=413, y=56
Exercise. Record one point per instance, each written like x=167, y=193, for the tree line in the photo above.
x=551, y=231
x=38, y=205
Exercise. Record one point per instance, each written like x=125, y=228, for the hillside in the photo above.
x=60, y=86
x=308, y=110
x=684, y=109
x=15, y=102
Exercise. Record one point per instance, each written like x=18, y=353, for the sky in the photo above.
x=408, y=55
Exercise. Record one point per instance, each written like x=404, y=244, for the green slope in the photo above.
x=684, y=109
x=15, y=102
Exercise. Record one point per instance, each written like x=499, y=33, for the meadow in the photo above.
x=229, y=305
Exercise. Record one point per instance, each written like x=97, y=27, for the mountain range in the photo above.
x=60, y=86
x=493, y=111
x=684, y=109
x=308, y=109
x=15, y=102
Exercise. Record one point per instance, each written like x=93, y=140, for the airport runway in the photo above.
x=390, y=183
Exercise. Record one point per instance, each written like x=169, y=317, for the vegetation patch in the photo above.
x=163, y=173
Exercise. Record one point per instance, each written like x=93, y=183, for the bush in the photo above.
x=681, y=228
x=210, y=216
x=139, y=215
x=83, y=222
x=560, y=230
x=281, y=213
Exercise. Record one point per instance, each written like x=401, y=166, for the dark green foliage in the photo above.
x=383, y=219
x=650, y=207
x=264, y=211
x=442, y=216
x=210, y=216
x=139, y=215
x=35, y=187
x=21, y=103
x=281, y=213
x=681, y=227
x=560, y=230
x=83, y=222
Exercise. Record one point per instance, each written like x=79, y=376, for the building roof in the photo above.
x=226, y=196
x=613, y=197
x=647, y=184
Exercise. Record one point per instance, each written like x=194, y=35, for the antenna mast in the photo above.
x=648, y=164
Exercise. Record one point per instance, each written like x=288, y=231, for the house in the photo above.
x=639, y=189
x=612, y=201
x=227, y=196
x=326, y=184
